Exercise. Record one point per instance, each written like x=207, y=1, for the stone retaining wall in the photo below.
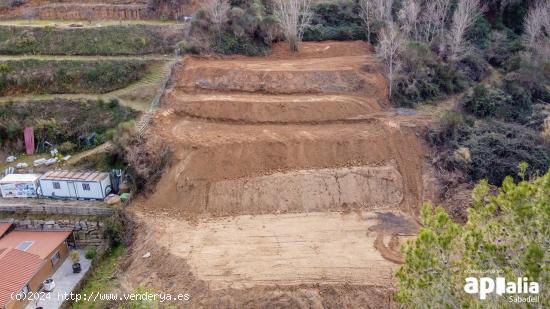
x=86, y=233
x=57, y=210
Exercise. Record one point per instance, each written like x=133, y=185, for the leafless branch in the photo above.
x=294, y=17
x=537, y=29
x=466, y=13
x=389, y=49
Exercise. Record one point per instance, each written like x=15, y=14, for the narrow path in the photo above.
x=437, y=108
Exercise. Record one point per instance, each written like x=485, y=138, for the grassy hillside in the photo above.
x=105, y=40
x=69, y=125
x=32, y=76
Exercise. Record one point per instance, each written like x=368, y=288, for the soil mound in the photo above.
x=263, y=108
x=346, y=74
x=212, y=156
x=247, y=146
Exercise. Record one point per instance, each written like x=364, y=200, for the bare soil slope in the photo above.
x=292, y=183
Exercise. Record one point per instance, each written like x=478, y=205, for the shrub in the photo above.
x=114, y=230
x=74, y=256
x=67, y=147
x=474, y=67
x=91, y=253
x=229, y=43
x=496, y=148
x=426, y=76
x=502, y=46
x=335, y=21
x=479, y=33
x=249, y=30
x=146, y=160
x=486, y=102
x=184, y=47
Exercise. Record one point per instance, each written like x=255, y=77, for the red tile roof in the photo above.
x=43, y=242
x=16, y=269
x=4, y=227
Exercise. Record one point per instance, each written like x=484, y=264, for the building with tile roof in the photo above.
x=20, y=271
x=27, y=258
x=4, y=228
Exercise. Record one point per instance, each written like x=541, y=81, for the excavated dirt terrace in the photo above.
x=292, y=182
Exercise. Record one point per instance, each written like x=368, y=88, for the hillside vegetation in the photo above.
x=494, y=238
x=68, y=125
x=34, y=76
x=102, y=40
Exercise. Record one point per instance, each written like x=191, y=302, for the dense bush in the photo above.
x=106, y=40
x=68, y=76
x=496, y=148
x=250, y=29
x=229, y=43
x=479, y=33
x=145, y=158
x=502, y=46
x=486, y=102
x=67, y=124
x=114, y=229
x=514, y=99
x=91, y=253
x=335, y=21
x=426, y=76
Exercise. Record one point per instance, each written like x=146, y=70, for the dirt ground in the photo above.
x=307, y=260
x=261, y=108
x=292, y=182
x=303, y=248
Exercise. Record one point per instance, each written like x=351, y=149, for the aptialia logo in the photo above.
x=520, y=291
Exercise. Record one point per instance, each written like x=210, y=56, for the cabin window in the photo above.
x=56, y=185
x=23, y=246
x=55, y=258
x=86, y=186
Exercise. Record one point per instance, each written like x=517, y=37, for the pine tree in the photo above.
x=508, y=232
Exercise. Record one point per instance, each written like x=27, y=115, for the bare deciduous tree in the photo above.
x=294, y=17
x=390, y=44
x=375, y=13
x=537, y=29
x=218, y=9
x=408, y=16
x=465, y=14
x=434, y=18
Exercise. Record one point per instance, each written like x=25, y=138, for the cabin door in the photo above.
x=72, y=189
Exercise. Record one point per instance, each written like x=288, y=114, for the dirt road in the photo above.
x=292, y=182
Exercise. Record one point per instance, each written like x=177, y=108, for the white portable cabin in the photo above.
x=20, y=185
x=77, y=185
